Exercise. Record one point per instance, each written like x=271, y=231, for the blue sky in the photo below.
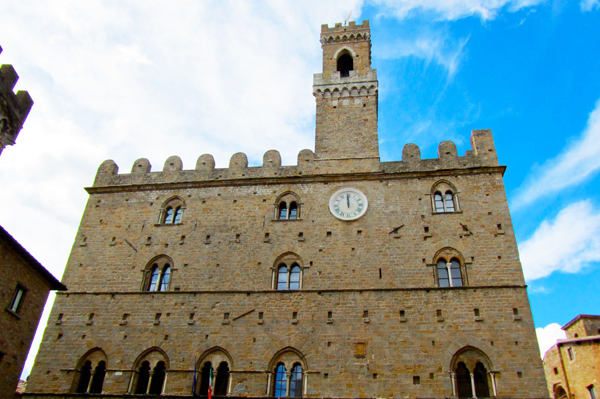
x=139, y=79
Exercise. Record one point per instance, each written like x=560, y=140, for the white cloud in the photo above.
x=455, y=9
x=547, y=336
x=429, y=46
x=578, y=161
x=589, y=5
x=567, y=243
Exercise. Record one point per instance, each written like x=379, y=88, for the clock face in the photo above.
x=348, y=204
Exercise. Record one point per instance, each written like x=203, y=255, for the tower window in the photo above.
x=345, y=64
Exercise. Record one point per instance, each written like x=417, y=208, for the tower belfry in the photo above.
x=346, y=95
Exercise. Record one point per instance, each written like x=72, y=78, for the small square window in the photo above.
x=571, y=354
x=17, y=299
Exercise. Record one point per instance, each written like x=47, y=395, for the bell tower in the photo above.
x=346, y=95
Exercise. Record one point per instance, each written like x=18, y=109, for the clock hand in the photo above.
x=348, y=200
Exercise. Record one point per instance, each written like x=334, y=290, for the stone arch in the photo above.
x=171, y=211
x=173, y=163
x=288, y=354
x=150, y=372
x=288, y=272
x=470, y=355
x=140, y=166
x=216, y=353
x=559, y=392
x=158, y=274
x=449, y=268
x=90, y=372
x=287, y=373
x=471, y=368
x=153, y=355
x=221, y=362
x=442, y=185
x=444, y=197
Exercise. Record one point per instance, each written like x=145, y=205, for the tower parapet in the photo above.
x=14, y=108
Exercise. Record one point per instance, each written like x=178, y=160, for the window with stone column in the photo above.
x=90, y=372
x=215, y=362
x=171, y=212
x=450, y=270
x=157, y=274
x=472, y=374
x=287, y=272
x=149, y=373
x=444, y=197
x=287, y=377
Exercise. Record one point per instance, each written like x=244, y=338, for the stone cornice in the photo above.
x=291, y=179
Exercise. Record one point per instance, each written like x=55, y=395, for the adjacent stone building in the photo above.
x=572, y=366
x=24, y=282
x=341, y=276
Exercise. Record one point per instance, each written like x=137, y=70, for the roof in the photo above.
x=31, y=261
x=579, y=317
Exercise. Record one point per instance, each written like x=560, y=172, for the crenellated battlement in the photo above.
x=482, y=154
x=345, y=33
x=14, y=107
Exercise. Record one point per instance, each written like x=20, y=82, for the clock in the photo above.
x=348, y=204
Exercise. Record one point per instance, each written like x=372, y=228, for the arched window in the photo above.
x=480, y=376
x=472, y=370
x=288, y=367
x=90, y=372
x=158, y=379
x=282, y=210
x=439, y=202
x=143, y=378
x=98, y=379
x=463, y=381
x=282, y=278
x=206, y=379
x=444, y=197
x=166, y=275
x=151, y=373
x=293, y=211
x=280, y=388
x=560, y=393
x=287, y=207
x=215, y=380
x=288, y=272
x=222, y=379
x=85, y=374
x=449, y=204
x=296, y=382
x=172, y=211
x=345, y=64
x=449, y=273
x=295, y=277
x=158, y=275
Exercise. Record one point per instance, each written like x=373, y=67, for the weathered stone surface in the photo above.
x=370, y=318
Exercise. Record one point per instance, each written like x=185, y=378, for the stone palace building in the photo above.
x=341, y=276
